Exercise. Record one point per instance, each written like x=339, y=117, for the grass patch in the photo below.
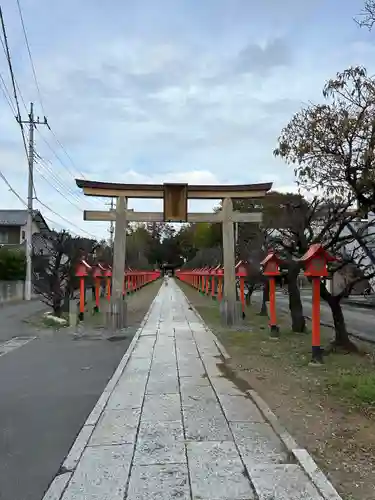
x=330, y=410
x=350, y=378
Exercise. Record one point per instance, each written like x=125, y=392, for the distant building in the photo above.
x=13, y=227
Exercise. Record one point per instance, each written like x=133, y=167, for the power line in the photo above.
x=30, y=56
x=7, y=95
x=44, y=205
x=58, y=182
x=12, y=189
x=40, y=94
x=60, y=225
x=55, y=154
x=66, y=153
x=5, y=45
x=42, y=105
x=64, y=219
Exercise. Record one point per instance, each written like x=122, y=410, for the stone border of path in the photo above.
x=61, y=480
x=302, y=456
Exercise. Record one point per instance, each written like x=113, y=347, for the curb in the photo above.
x=301, y=455
x=360, y=305
x=357, y=336
x=60, y=482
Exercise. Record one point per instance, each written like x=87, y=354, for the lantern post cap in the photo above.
x=315, y=251
x=83, y=268
x=271, y=264
x=315, y=261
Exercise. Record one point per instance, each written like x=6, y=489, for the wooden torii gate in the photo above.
x=175, y=198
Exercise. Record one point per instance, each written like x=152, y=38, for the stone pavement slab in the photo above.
x=174, y=426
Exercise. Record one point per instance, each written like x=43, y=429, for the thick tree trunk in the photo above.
x=341, y=339
x=295, y=303
x=57, y=310
x=265, y=298
x=341, y=333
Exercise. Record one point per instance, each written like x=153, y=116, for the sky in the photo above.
x=158, y=91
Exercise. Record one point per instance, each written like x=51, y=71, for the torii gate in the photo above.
x=175, y=198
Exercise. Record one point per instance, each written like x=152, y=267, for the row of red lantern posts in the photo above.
x=210, y=281
x=133, y=281
x=315, y=263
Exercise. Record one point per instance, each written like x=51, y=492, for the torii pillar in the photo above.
x=175, y=210
x=116, y=316
x=229, y=303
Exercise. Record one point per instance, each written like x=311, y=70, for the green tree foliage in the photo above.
x=12, y=264
x=332, y=145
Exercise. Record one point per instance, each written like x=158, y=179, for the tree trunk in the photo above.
x=250, y=290
x=295, y=303
x=57, y=308
x=341, y=339
x=341, y=333
x=265, y=298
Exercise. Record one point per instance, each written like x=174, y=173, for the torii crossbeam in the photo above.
x=177, y=212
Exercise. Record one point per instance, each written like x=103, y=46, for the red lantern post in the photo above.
x=271, y=269
x=81, y=272
x=241, y=272
x=315, y=261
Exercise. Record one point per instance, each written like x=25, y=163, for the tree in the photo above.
x=332, y=145
x=325, y=222
x=12, y=264
x=367, y=16
x=277, y=209
x=54, y=269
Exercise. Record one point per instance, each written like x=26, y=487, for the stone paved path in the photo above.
x=174, y=428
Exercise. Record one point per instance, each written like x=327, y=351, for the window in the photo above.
x=3, y=237
x=23, y=235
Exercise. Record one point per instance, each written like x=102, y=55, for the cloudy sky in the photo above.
x=166, y=90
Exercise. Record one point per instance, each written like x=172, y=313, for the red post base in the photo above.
x=317, y=355
x=274, y=331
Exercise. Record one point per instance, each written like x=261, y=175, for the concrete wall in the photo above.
x=11, y=291
x=23, y=229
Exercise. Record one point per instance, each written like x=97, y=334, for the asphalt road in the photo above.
x=12, y=316
x=48, y=387
x=360, y=322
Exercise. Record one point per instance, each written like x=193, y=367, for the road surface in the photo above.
x=359, y=321
x=48, y=387
x=12, y=318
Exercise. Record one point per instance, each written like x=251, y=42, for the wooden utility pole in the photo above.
x=32, y=123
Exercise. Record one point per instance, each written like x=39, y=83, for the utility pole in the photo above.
x=32, y=123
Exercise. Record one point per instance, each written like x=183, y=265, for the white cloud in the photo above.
x=193, y=92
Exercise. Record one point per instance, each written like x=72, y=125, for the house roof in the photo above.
x=19, y=218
